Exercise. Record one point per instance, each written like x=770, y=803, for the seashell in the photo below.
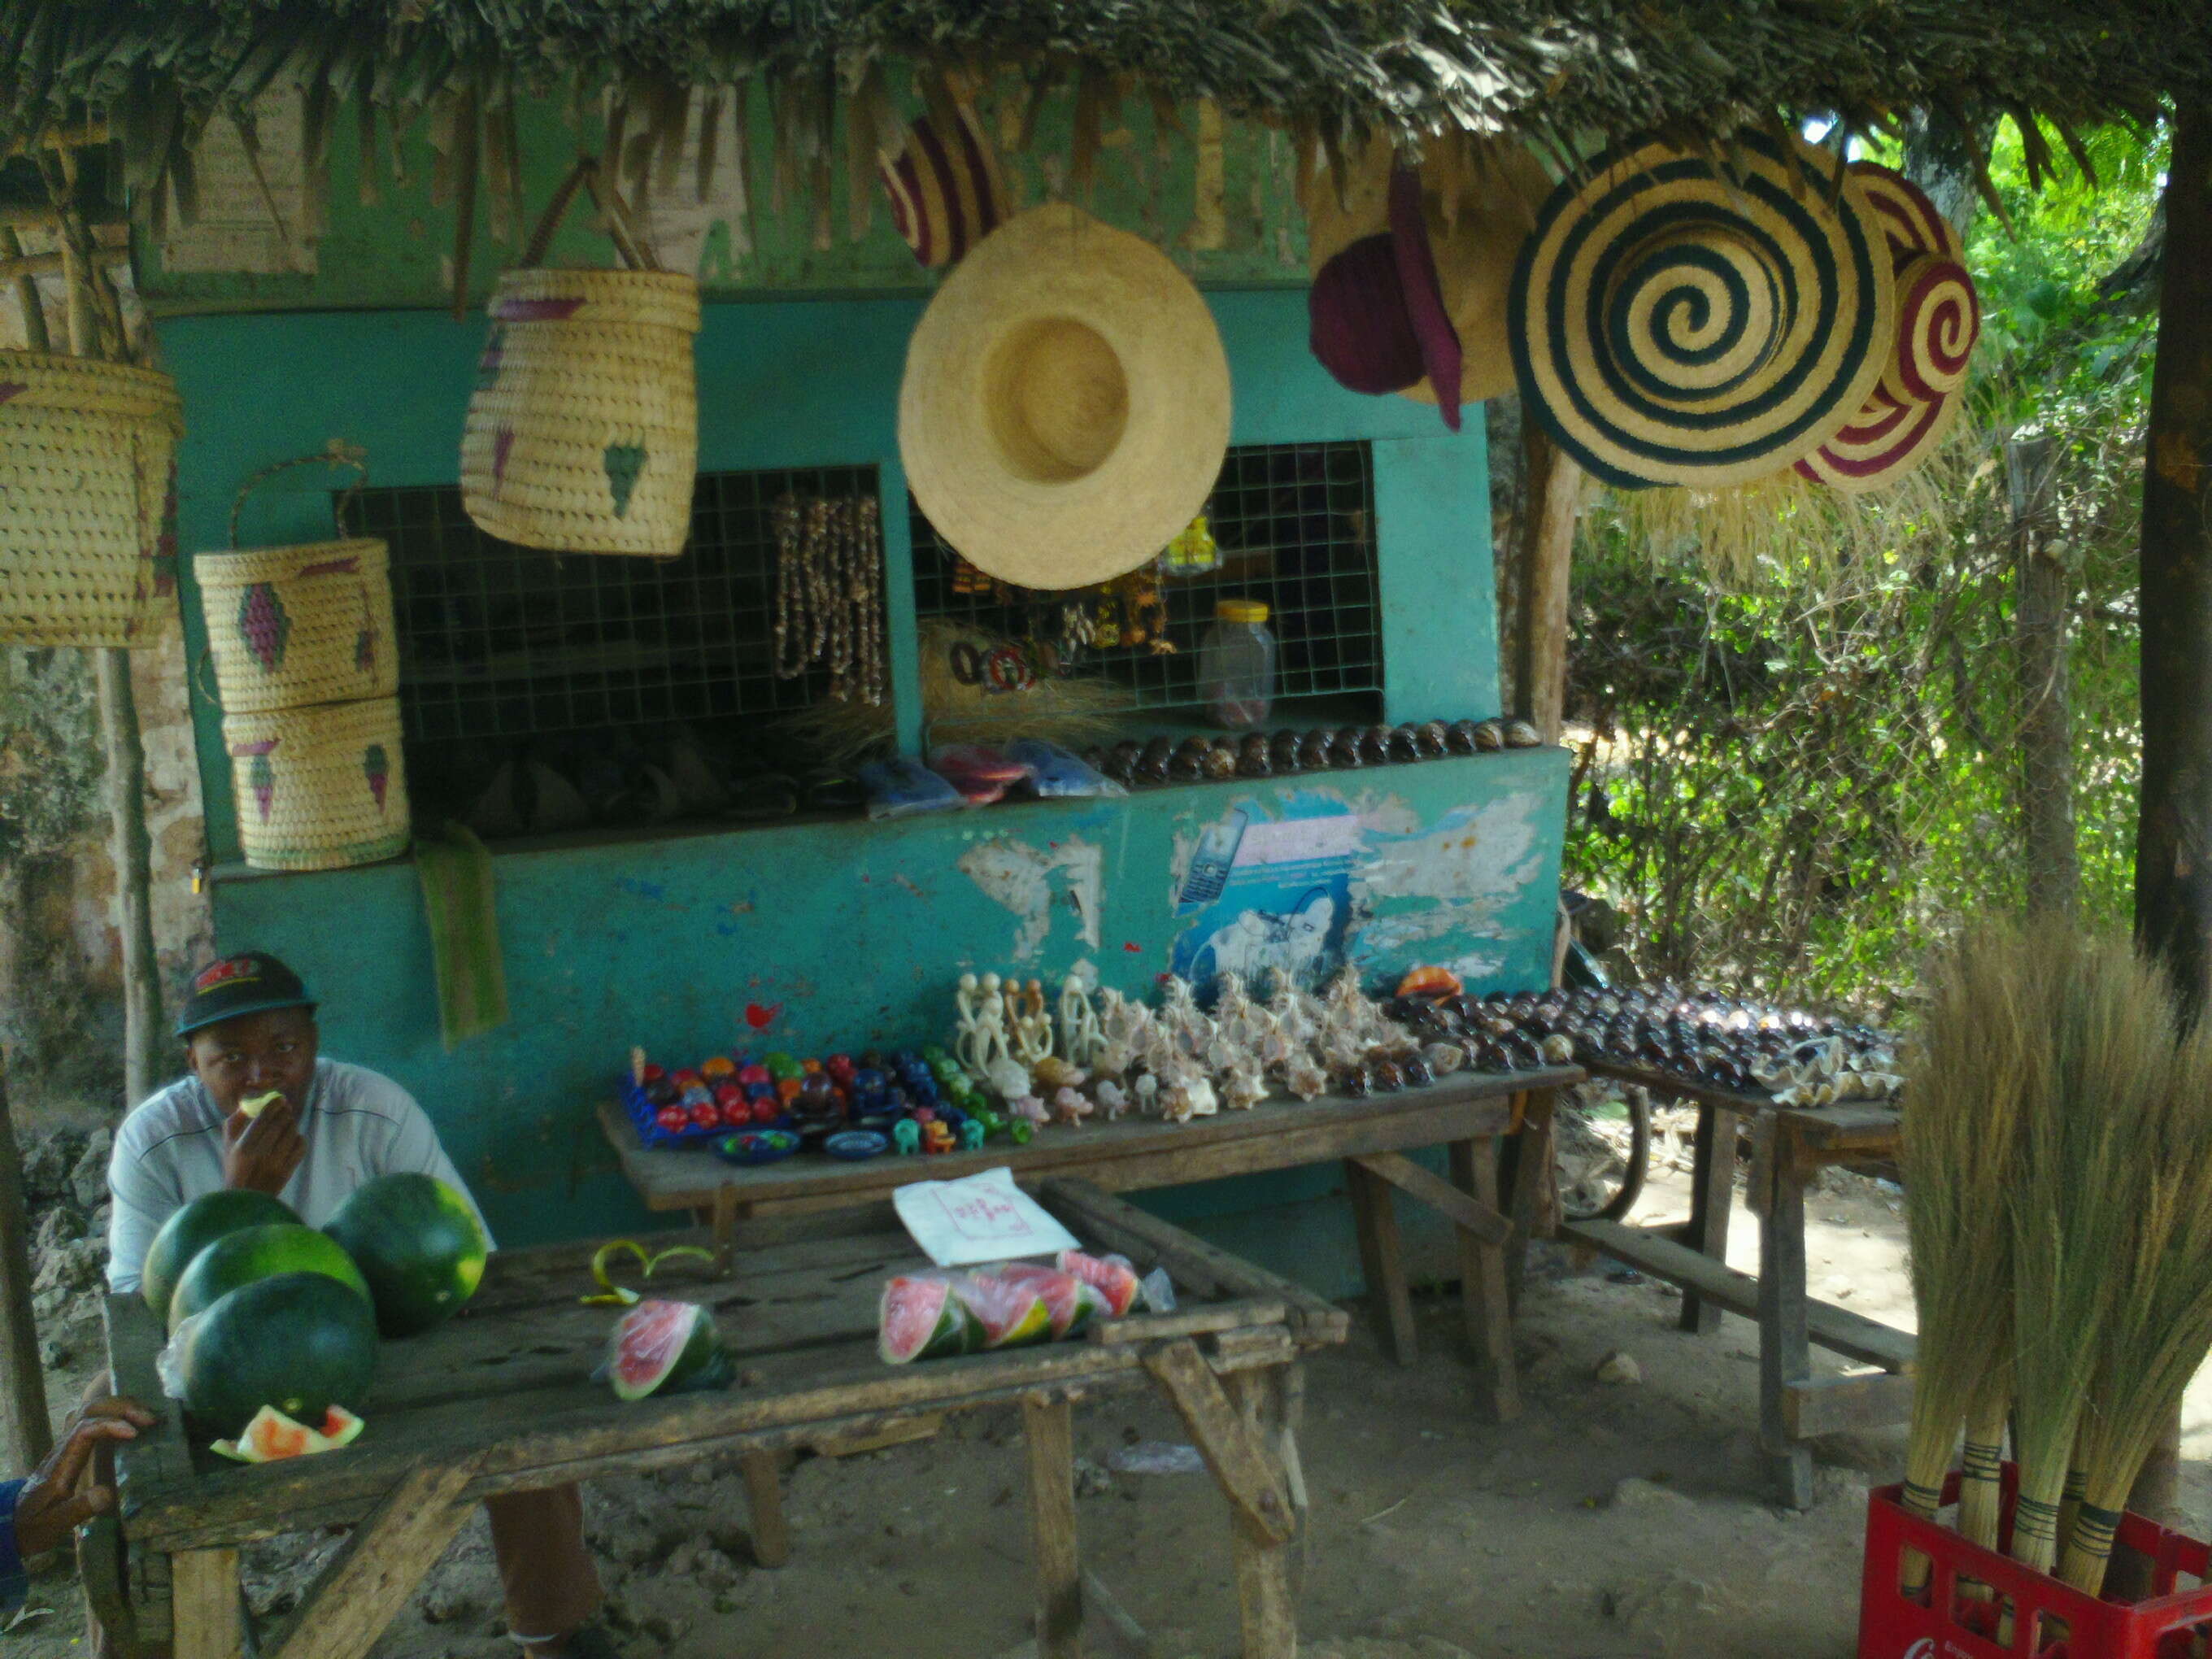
x=1489, y=734
x=1385, y=1077
x=1558, y=1049
x=1519, y=734
x=1354, y=1082
x=1460, y=735
x=1152, y=764
x=1417, y=1071
x=1404, y=743
x=1283, y=752
x=1430, y=981
x=1345, y=753
x=1218, y=761
x=1432, y=739
x=1253, y=758
x=1444, y=1058
x=1305, y=1079
x=1375, y=745
x=1054, y=1072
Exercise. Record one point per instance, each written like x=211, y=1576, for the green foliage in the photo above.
x=49, y=775
x=1800, y=784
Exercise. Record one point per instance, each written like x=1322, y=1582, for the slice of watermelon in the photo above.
x=271, y=1436
x=1073, y=1302
x=666, y=1348
x=920, y=1318
x=1111, y=1275
x=1011, y=1315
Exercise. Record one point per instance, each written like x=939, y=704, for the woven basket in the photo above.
x=88, y=464
x=319, y=789
x=292, y=626
x=583, y=432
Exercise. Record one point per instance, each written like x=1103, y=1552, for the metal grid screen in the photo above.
x=502, y=646
x=1295, y=526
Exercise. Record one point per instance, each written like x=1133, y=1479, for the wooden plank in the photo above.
x=1815, y=1406
x=1551, y=503
x=771, y=1531
x=1048, y=1450
x=1236, y=1455
x=1383, y=1262
x=1197, y=1322
x=1713, y=1204
x=203, y=1598
x=1266, y=1601
x=1482, y=1284
x=372, y=1576
x=1785, y=1354
x=28, y=1431
x=1461, y=1209
x=902, y=1433
x=1130, y=1635
x=158, y=1460
x=1851, y=1335
x=1532, y=1198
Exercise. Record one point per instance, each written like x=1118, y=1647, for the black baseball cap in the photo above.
x=250, y=982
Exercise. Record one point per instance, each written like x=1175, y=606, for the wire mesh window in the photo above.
x=1293, y=526
x=577, y=662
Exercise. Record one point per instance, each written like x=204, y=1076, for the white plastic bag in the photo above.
x=980, y=1217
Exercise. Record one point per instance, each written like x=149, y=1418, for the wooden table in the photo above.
x=500, y=1400
x=1464, y=1113
x=1791, y=1145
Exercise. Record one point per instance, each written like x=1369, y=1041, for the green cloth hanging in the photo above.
x=460, y=898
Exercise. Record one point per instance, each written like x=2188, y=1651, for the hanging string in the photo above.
x=828, y=593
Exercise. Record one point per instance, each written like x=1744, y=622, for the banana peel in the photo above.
x=611, y=1295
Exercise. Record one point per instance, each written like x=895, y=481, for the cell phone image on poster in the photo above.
x=1264, y=893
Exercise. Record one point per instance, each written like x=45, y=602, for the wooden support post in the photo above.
x=1482, y=1284
x=1382, y=1261
x=133, y=853
x=369, y=1580
x=1048, y=1435
x=1551, y=502
x=203, y=1602
x=1785, y=1353
x=2173, y=829
x=1267, y=1603
x=1532, y=1199
x=22, y=1383
x=1712, y=1201
x=1236, y=1455
x=36, y=337
x=764, y=1493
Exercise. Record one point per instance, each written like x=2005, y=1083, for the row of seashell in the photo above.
x=1321, y=748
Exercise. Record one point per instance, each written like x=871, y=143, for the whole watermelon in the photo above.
x=301, y=1342
x=251, y=1253
x=420, y=1246
x=193, y=1229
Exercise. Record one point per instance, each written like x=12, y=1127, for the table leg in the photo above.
x=725, y=1228
x=764, y=1493
x=1482, y=1282
x=1048, y=1432
x=1267, y=1603
x=209, y=1623
x=1785, y=1353
x=1531, y=1186
x=1382, y=1261
x=1712, y=1196
x=1291, y=1409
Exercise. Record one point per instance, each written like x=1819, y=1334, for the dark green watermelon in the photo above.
x=301, y=1342
x=420, y=1246
x=193, y=1229
x=251, y=1253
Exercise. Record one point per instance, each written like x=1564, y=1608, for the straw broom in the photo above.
x=2073, y=1205
x=2159, y=1327
x=1976, y=1058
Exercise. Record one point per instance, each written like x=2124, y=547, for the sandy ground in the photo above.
x=1614, y=1521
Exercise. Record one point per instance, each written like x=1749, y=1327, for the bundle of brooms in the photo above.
x=2057, y=1160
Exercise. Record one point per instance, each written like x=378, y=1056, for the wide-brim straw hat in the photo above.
x=1480, y=198
x=1939, y=319
x=1065, y=406
x=1678, y=319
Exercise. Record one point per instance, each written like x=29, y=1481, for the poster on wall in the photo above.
x=1263, y=893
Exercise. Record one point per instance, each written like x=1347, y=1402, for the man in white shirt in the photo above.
x=249, y=1028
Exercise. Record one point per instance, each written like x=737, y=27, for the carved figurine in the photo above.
x=971, y=1135
x=1145, y=1091
x=1009, y=1079
x=1027, y=1108
x=1028, y=1028
x=991, y=1045
x=1070, y=1108
x=1081, y=1038
x=906, y=1135
x=1054, y=1072
x=965, y=999
x=1112, y=1100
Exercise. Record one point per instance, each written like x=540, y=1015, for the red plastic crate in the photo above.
x=2171, y=1625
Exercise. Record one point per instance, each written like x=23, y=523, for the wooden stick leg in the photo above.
x=1785, y=1353
x=1534, y=1184
x=1049, y=1431
x=1482, y=1284
x=1266, y=1601
x=369, y=1580
x=1382, y=1260
x=1712, y=1197
x=725, y=1227
x=203, y=1599
x=764, y=1493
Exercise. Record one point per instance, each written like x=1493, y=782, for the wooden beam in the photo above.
x=1265, y=1600
x=203, y=1603
x=133, y=853
x=1483, y=1298
x=771, y=1534
x=1048, y=1442
x=1551, y=502
x=22, y=1381
x=78, y=135
x=1815, y=1406
x=1383, y=1262
x=1237, y=1456
x=372, y=1576
x=1462, y=1209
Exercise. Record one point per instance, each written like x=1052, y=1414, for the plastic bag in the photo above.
x=898, y=788
x=1055, y=773
x=980, y=774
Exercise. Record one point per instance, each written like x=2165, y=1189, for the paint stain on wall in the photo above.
x=1450, y=883
x=1024, y=879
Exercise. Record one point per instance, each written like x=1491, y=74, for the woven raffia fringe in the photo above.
x=293, y=626
x=88, y=453
x=583, y=433
x=319, y=789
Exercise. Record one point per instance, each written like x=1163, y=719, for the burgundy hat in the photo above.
x=1377, y=316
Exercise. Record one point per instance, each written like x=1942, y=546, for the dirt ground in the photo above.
x=1615, y=1520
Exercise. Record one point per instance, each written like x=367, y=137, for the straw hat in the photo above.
x=1065, y=406
x=1479, y=199
x=1674, y=322
x=945, y=189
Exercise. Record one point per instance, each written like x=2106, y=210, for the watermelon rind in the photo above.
x=194, y=1227
x=271, y=1436
x=906, y=1300
x=251, y=1253
x=1072, y=1304
x=1111, y=1275
x=301, y=1342
x=418, y=1243
x=645, y=1357
x=1010, y=1316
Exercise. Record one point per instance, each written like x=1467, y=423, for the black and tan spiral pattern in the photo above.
x=1677, y=323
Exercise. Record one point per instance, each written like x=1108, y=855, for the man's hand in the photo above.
x=50, y=1506
x=261, y=1153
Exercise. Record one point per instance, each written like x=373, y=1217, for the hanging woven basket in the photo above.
x=583, y=432
x=319, y=789
x=88, y=470
x=293, y=626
